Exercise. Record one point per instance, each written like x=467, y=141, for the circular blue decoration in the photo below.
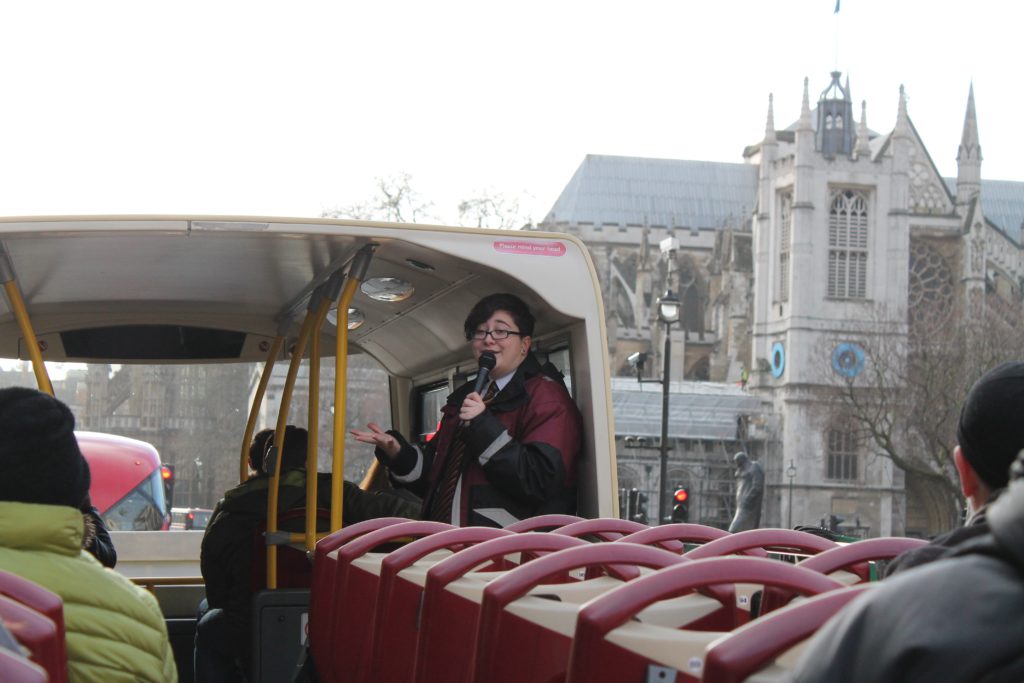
x=848, y=359
x=778, y=359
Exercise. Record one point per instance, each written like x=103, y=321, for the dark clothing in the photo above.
x=521, y=452
x=98, y=543
x=946, y=544
x=956, y=619
x=227, y=549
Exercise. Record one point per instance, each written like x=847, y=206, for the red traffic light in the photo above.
x=166, y=472
x=681, y=495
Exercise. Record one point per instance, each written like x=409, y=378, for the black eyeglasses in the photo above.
x=496, y=335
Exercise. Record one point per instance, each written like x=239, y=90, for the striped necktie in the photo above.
x=441, y=508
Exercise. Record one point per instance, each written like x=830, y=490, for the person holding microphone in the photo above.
x=508, y=443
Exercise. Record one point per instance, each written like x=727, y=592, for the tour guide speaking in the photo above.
x=508, y=444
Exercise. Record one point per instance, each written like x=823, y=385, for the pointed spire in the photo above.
x=969, y=140
x=769, y=126
x=902, y=118
x=968, y=157
x=863, y=143
x=805, y=109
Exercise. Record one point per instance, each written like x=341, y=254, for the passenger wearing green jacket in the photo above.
x=115, y=630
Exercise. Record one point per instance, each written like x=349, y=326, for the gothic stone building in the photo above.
x=827, y=239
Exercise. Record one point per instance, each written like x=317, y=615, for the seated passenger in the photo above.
x=115, y=630
x=223, y=633
x=499, y=457
x=950, y=620
x=990, y=433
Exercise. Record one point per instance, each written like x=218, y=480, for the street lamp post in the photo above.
x=791, y=473
x=668, y=313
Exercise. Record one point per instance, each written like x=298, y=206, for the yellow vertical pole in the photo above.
x=254, y=410
x=355, y=275
x=313, y=424
x=282, y=423
x=28, y=334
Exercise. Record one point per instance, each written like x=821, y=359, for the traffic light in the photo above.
x=681, y=505
x=167, y=474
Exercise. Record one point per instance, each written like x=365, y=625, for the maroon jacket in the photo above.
x=522, y=452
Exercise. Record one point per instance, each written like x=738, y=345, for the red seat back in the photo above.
x=542, y=523
x=38, y=634
x=594, y=658
x=448, y=622
x=355, y=596
x=758, y=541
x=16, y=669
x=754, y=646
x=322, y=587
x=852, y=557
x=601, y=529
x=398, y=602
x=294, y=570
x=503, y=638
x=43, y=601
x=673, y=536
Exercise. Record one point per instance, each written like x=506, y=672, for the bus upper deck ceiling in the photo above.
x=178, y=289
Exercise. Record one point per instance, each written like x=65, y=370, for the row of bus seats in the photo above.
x=590, y=600
x=32, y=646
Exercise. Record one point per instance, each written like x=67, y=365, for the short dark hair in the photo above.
x=486, y=307
x=258, y=449
x=990, y=432
x=296, y=441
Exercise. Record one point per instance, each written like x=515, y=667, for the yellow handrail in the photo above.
x=254, y=410
x=313, y=425
x=282, y=424
x=29, y=335
x=340, y=400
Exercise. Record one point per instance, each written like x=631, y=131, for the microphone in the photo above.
x=483, y=375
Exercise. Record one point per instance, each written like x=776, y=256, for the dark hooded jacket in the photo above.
x=521, y=452
x=228, y=543
x=955, y=619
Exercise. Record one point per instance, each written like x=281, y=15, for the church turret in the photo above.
x=835, y=120
x=968, y=157
x=863, y=141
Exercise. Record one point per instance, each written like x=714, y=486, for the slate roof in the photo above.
x=709, y=195
x=697, y=410
x=667, y=192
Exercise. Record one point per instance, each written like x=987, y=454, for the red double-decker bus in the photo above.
x=127, y=482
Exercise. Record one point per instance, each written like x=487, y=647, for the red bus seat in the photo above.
x=674, y=536
x=356, y=579
x=43, y=601
x=402, y=577
x=294, y=569
x=847, y=563
x=768, y=646
x=322, y=586
x=513, y=622
x=601, y=529
x=611, y=646
x=451, y=602
x=38, y=634
x=542, y=523
x=16, y=669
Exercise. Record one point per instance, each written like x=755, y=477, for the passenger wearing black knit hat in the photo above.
x=989, y=434
x=39, y=457
x=114, y=629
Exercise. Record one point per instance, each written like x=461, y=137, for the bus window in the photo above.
x=561, y=359
x=431, y=399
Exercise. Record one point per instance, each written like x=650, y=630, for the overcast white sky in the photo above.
x=291, y=108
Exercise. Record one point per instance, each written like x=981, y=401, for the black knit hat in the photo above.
x=39, y=457
x=991, y=427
